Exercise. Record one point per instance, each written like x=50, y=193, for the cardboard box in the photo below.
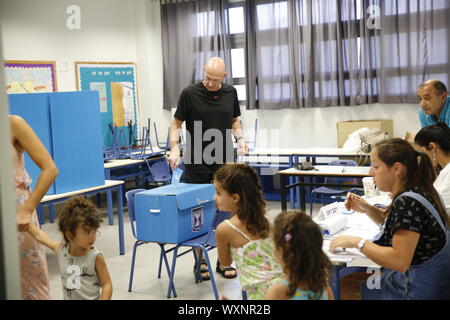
x=175, y=212
x=344, y=128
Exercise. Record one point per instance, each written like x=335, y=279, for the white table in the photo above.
x=360, y=225
x=322, y=171
x=107, y=187
x=271, y=157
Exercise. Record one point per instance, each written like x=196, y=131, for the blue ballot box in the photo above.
x=175, y=212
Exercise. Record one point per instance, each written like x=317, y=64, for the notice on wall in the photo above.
x=101, y=88
x=128, y=101
x=117, y=87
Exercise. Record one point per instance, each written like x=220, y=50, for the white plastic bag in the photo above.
x=353, y=143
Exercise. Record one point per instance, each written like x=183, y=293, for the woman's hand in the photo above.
x=344, y=242
x=357, y=203
x=23, y=217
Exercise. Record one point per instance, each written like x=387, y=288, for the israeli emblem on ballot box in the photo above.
x=197, y=219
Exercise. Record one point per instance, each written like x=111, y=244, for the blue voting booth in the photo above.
x=174, y=213
x=69, y=126
x=34, y=108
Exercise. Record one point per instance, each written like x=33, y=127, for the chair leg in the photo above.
x=166, y=262
x=163, y=256
x=130, y=283
x=198, y=265
x=211, y=274
x=172, y=273
x=161, y=246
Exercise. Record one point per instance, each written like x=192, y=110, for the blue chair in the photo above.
x=325, y=194
x=163, y=254
x=205, y=243
x=159, y=172
x=162, y=145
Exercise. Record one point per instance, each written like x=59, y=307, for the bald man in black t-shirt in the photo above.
x=211, y=110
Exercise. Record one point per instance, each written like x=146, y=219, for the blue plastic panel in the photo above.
x=77, y=140
x=35, y=109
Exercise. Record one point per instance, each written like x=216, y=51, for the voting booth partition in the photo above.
x=69, y=126
x=174, y=213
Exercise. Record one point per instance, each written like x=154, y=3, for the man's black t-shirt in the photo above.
x=208, y=116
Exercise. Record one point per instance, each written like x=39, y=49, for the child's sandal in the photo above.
x=224, y=270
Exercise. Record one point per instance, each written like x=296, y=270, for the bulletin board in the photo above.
x=30, y=76
x=116, y=83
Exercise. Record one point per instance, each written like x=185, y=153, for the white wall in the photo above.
x=316, y=127
x=130, y=31
x=38, y=31
x=150, y=62
x=111, y=31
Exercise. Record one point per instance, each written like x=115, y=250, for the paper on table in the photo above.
x=333, y=224
x=347, y=256
x=328, y=211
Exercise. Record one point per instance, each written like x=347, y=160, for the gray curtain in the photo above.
x=411, y=46
x=192, y=32
x=303, y=53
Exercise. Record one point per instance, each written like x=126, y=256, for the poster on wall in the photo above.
x=30, y=76
x=117, y=87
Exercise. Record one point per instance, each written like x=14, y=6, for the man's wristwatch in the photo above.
x=361, y=244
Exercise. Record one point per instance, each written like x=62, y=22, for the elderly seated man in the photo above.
x=434, y=102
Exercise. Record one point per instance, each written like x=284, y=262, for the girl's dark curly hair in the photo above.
x=299, y=240
x=243, y=180
x=76, y=211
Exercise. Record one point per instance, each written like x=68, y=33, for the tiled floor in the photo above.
x=146, y=284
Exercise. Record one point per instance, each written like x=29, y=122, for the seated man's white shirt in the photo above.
x=442, y=186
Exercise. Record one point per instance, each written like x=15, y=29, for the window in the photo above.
x=236, y=20
x=272, y=16
x=337, y=26
x=205, y=24
x=236, y=24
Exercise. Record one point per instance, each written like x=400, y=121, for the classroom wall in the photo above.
x=316, y=127
x=130, y=31
x=111, y=31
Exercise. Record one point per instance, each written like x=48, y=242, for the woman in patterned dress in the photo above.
x=33, y=263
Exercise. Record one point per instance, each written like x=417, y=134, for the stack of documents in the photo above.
x=356, y=224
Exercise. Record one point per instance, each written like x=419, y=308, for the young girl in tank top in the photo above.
x=298, y=246
x=245, y=238
x=84, y=274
